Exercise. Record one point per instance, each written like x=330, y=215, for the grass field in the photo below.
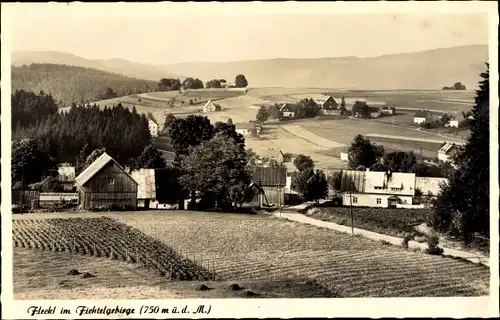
x=391, y=222
x=265, y=251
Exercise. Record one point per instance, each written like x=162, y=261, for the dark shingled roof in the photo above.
x=423, y=114
x=352, y=180
x=270, y=176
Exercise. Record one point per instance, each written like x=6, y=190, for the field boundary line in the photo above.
x=298, y=217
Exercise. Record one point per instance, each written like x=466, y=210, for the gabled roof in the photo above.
x=423, y=114
x=286, y=105
x=322, y=98
x=447, y=147
x=270, y=176
x=271, y=153
x=152, y=118
x=209, y=102
x=352, y=180
x=95, y=167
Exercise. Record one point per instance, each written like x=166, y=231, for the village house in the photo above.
x=388, y=110
x=268, y=185
x=375, y=111
x=106, y=184
x=154, y=127
x=66, y=176
x=271, y=155
x=422, y=117
x=344, y=154
x=146, y=188
x=287, y=110
x=452, y=124
x=211, y=107
x=377, y=189
x=447, y=152
x=245, y=128
x=327, y=104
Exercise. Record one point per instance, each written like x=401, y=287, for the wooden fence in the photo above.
x=24, y=197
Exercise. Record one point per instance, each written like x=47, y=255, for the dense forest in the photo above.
x=69, y=84
x=123, y=133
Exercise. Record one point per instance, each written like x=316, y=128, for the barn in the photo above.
x=105, y=184
x=270, y=182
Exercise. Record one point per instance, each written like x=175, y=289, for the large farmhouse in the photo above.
x=245, y=128
x=106, y=184
x=327, y=104
x=385, y=189
x=377, y=189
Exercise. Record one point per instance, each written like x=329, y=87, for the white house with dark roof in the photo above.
x=327, y=104
x=287, y=110
x=422, y=116
x=154, y=127
x=377, y=189
x=211, y=107
x=447, y=151
x=245, y=128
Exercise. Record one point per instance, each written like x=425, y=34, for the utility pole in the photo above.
x=352, y=216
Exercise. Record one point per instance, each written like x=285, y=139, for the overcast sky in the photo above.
x=154, y=34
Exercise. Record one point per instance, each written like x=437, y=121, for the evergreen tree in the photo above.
x=462, y=207
x=151, y=158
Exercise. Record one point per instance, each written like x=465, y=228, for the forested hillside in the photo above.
x=69, y=84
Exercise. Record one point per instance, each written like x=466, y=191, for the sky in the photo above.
x=161, y=35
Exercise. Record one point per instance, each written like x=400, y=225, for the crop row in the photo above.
x=105, y=237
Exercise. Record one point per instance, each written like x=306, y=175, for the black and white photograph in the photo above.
x=165, y=151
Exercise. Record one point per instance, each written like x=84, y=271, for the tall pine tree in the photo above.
x=462, y=208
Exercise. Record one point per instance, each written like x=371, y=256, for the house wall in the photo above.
x=331, y=112
x=387, y=111
x=243, y=131
x=419, y=120
x=274, y=195
x=153, y=129
x=344, y=156
x=288, y=114
x=443, y=157
x=375, y=114
x=98, y=192
x=370, y=200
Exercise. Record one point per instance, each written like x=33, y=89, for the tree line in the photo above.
x=171, y=84
x=68, y=84
x=363, y=154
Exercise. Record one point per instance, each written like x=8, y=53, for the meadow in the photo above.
x=321, y=136
x=257, y=251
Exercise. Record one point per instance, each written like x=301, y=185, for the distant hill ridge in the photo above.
x=69, y=84
x=431, y=69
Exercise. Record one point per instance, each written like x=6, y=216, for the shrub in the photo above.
x=433, y=248
x=407, y=238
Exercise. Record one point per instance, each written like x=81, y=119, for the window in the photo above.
x=111, y=182
x=354, y=199
x=396, y=189
x=379, y=201
x=379, y=188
